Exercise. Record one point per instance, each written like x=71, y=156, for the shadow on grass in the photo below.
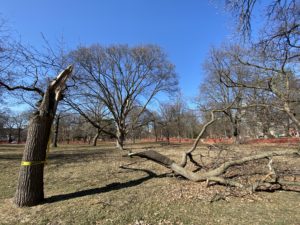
x=12, y=146
x=62, y=157
x=110, y=187
x=16, y=157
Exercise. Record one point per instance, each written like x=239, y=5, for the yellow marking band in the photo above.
x=32, y=163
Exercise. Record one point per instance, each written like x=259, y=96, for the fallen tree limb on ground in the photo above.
x=269, y=182
x=188, y=154
x=215, y=175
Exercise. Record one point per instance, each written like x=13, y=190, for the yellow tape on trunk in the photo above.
x=32, y=163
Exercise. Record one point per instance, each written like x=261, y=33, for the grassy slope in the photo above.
x=84, y=185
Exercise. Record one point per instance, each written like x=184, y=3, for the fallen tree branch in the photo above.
x=223, y=168
x=154, y=156
x=214, y=175
x=188, y=153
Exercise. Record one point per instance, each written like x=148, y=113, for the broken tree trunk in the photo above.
x=30, y=189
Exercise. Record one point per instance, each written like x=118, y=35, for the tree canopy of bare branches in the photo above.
x=123, y=78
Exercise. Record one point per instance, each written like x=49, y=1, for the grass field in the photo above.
x=85, y=185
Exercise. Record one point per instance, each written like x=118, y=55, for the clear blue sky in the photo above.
x=185, y=29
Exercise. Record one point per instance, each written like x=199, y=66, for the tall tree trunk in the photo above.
x=168, y=137
x=19, y=135
x=30, y=189
x=96, y=138
x=9, y=138
x=120, y=140
x=155, y=132
x=235, y=132
x=236, y=128
x=56, y=128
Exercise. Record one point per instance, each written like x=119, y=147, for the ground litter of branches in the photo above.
x=98, y=185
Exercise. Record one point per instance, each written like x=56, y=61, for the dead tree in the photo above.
x=30, y=189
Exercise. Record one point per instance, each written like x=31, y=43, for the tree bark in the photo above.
x=120, y=140
x=30, y=189
x=236, y=133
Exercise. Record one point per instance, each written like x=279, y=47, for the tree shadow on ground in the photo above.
x=11, y=157
x=63, y=157
x=110, y=187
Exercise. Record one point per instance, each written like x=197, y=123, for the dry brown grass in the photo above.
x=85, y=185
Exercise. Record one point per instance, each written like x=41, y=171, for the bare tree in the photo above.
x=92, y=110
x=9, y=125
x=223, y=95
x=276, y=52
x=57, y=119
x=166, y=120
x=139, y=127
x=124, y=78
x=73, y=127
x=20, y=120
x=272, y=76
x=272, y=11
x=179, y=110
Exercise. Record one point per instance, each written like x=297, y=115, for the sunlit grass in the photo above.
x=85, y=185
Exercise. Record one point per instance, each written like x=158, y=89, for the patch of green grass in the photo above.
x=85, y=185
